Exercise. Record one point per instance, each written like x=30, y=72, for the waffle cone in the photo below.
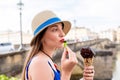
x=88, y=61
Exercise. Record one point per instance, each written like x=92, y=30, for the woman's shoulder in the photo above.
x=39, y=67
x=39, y=63
x=39, y=60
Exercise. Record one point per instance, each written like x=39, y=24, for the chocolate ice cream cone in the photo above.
x=88, y=56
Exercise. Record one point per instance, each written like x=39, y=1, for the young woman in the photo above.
x=49, y=33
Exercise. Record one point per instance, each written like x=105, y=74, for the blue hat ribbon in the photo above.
x=49, y=21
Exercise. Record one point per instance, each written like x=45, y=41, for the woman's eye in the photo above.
x=54, y=29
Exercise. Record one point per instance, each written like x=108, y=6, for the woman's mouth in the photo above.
x=62, y=40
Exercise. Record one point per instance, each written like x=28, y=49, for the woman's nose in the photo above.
x=62, y=34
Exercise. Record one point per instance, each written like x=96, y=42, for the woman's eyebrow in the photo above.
x=54, y=25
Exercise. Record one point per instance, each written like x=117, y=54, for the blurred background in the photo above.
x=95, y=23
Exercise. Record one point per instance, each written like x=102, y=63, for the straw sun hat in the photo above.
x=44, y=19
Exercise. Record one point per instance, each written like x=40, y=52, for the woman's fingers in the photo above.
x=64, y=55
x=72, y=56
x=89, y=73
x=69, y=54
x=88, y=78
x=89, y=68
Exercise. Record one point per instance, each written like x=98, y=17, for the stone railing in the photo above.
x=11, y=63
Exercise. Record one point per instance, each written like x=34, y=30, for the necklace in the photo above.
x=50, y=58
x=47, y=54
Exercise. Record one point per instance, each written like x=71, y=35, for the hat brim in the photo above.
x=67, y=26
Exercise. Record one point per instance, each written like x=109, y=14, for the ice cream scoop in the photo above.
x=88, y=54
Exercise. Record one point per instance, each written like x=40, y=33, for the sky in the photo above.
x=96, y=15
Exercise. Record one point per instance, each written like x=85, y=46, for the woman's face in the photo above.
x=53, y=36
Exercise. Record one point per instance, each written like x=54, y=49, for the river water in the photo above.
x=116, y=73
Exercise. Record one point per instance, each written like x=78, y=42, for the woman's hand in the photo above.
x=68, y=61
x=88, y=73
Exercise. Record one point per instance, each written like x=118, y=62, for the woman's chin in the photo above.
x=60, y=46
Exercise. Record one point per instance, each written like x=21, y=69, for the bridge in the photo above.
x=11, y=64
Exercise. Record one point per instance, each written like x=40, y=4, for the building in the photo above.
x=14, y=37
x=118, y=35
x=109, y=34
x=81, y=34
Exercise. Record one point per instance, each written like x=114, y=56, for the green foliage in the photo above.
x=4, y=77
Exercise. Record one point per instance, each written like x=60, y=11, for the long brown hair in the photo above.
x=36, y=46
